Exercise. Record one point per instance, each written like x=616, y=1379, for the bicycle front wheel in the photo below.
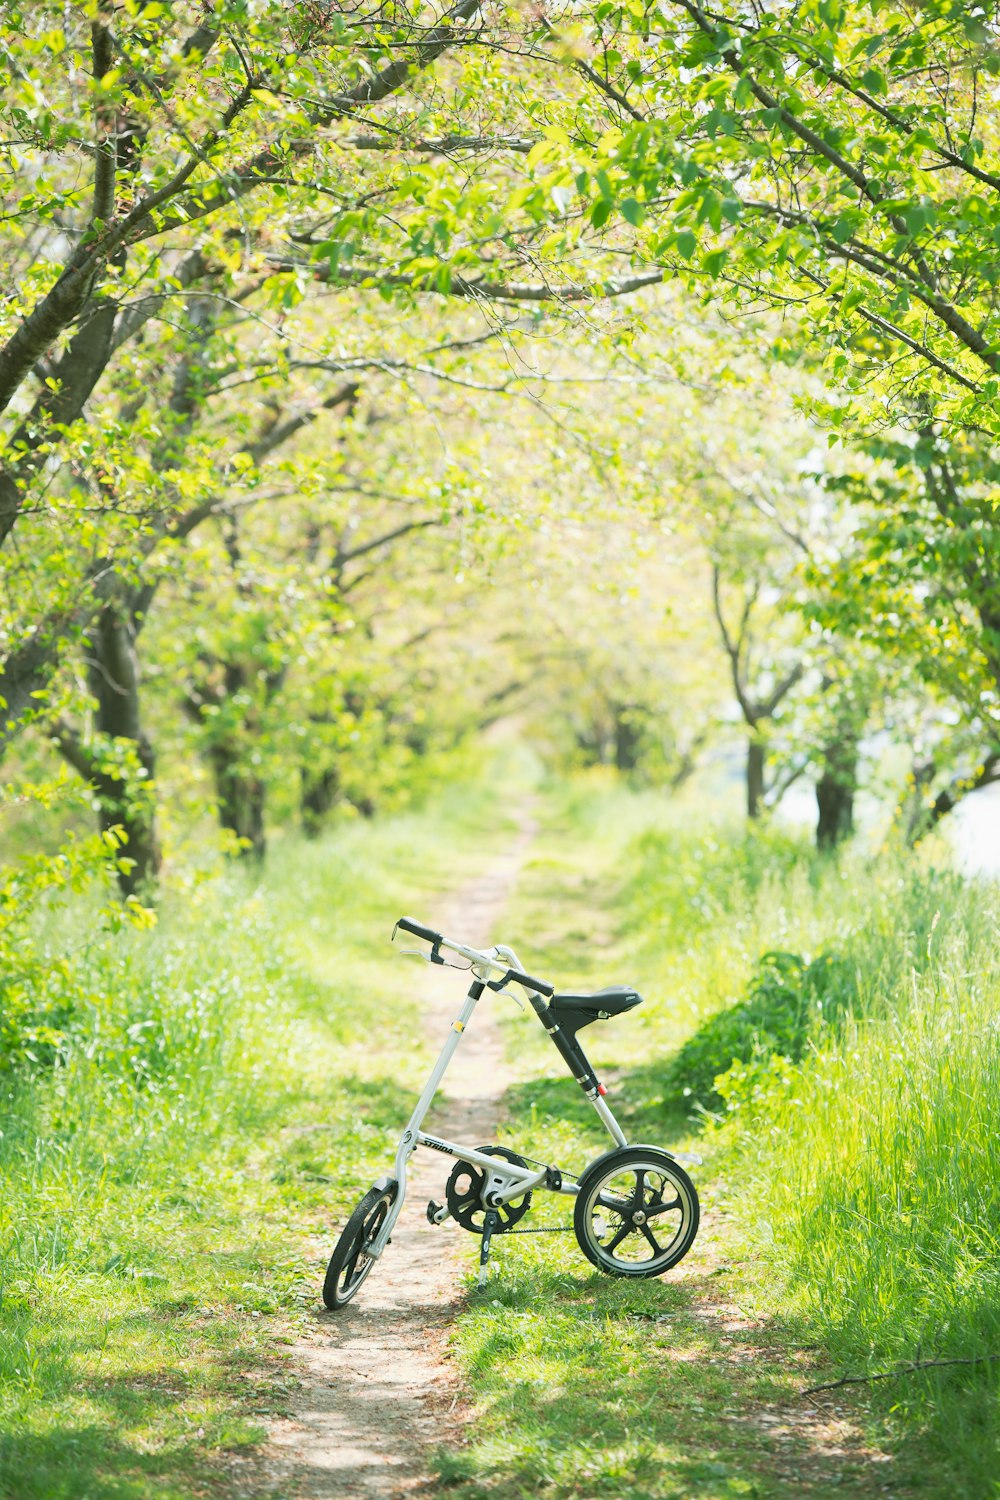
x=636, y=1213
x=350, y=1262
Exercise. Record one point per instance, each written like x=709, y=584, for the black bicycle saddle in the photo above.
x=574, y=1011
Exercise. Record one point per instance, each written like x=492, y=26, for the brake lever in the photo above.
x=429, y=958
x=499, y=985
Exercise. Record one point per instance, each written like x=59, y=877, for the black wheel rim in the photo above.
x=638, y=1217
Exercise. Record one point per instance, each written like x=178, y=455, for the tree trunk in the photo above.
x=835, y=793
x=627, y=740
x=125, y=801
x=835, y=804
x=755, y=778
x=241, y=798
x=114, y=682
x=320, y=791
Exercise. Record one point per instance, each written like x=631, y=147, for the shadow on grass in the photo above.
x=661, y=1389
x=652, y=1390
x=637, y=1096
x=116, y=1381
x=104, y=1461
x=69, y=1431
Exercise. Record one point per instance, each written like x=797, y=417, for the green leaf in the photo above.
x=846, y=226
x=711, y=208
x=919, y=216
x=874, y=81
x=743, y=92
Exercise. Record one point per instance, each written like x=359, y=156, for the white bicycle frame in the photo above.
x=505, y=1180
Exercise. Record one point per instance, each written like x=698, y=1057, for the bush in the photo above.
x=41, y=992
x=788, y=999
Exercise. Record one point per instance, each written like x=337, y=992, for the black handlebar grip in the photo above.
x=427, y=933
x=540, y=985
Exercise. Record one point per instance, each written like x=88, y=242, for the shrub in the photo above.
x=41, y=992
x=788, y=998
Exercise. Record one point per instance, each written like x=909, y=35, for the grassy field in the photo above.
x=238, y=1075
x=169, y=1188
x=851, y=1185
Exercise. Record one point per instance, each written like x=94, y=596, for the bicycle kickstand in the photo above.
x=490, y=1225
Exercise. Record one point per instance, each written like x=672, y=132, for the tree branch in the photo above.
x=442, y=145
x=917, y=1364
x=346, y=397
x=262, y=167
x=782, y=690
x=733, y=649
x=75, y=375
x=104, y=161
x=72, y=748
x=343, y=558
x=477, y=287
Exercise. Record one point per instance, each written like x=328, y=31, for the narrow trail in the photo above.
x=377, y=1393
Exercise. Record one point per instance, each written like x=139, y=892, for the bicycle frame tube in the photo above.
x=575, y=1059
x=525, y=1179
x=410, y=1138
x=608, y=1120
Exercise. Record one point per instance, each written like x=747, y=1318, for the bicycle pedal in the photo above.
x=433, y=1209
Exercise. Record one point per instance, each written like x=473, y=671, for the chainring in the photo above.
x=465, y=1194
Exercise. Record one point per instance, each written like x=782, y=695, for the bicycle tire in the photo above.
x=349, y=1265
x=616, y=1206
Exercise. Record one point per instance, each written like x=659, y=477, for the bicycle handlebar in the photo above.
x=512, y=975
x=428, y=933
x=542, y=986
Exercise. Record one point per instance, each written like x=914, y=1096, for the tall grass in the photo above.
x=171, y=1183
x=875, y=1168
x=855, y=1140
x=863, y=1141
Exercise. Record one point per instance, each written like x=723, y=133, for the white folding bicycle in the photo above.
x=635, y=1209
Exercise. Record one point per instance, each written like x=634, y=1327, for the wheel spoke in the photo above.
x=663, y=1208
x=613, y=1202
x=638, y=1197
x=625, y=1229
x=350, y=1265
x=651, y=1238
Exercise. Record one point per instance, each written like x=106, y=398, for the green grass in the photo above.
x=628, y=1390
x=885, y=1216
x=170, y=1189
x=850, y=1192
x=236, y=1077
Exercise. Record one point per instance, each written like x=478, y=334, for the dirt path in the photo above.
x=377, y=1393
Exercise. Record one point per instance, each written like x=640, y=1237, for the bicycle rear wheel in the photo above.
x=350, y=1262
x=636, y=1213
